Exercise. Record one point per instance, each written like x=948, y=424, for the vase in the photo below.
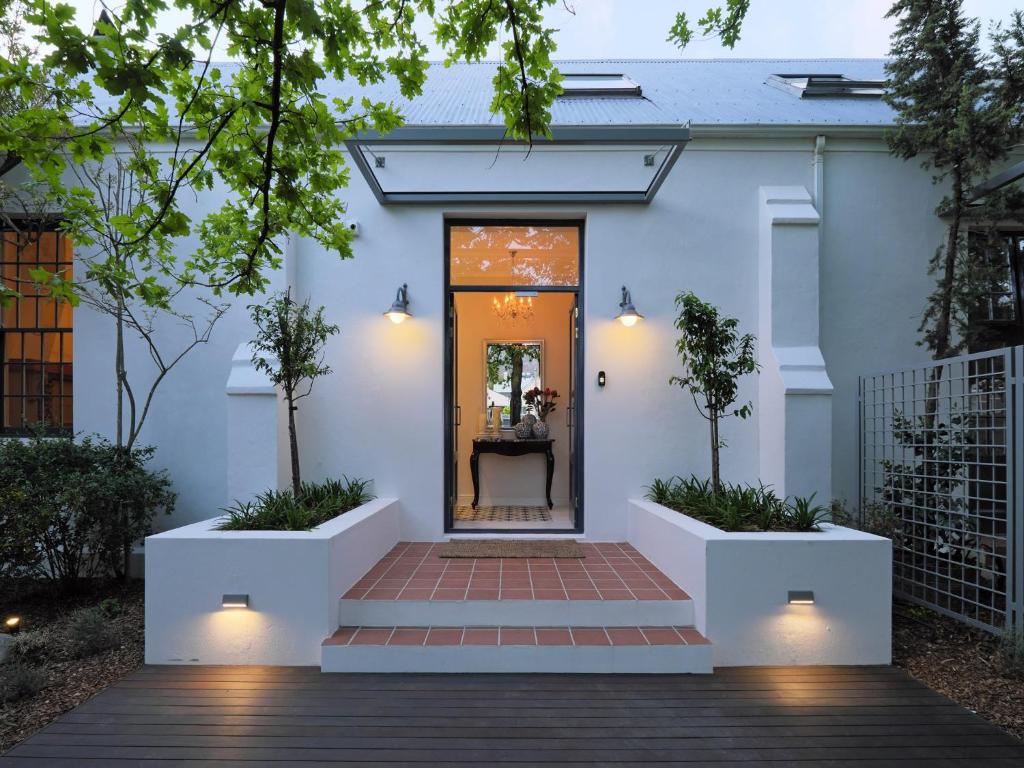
x=523, y=430
x=540, y=430
x=529, y=419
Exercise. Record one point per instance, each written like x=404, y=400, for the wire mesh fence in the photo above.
x=942, y=461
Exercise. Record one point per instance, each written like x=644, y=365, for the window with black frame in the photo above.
x=36, y=354
x=998, y=259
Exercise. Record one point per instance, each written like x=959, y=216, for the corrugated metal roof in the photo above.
x=701, y=91
x=675, y=91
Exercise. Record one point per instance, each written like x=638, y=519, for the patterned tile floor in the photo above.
x=516, y=636
x=414, y=571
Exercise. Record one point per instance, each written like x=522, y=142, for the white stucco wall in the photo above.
x=739, y=583
x=379, y=415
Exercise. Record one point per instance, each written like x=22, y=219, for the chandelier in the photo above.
x=513, y=307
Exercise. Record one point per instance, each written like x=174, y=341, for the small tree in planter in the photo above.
x=289, y=348
x=715, y=357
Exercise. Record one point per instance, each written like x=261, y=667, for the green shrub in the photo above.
x=32, y=647
x=90, y=632
x=1011, y=653
x=282, y=511
x=19, y=681
x=73, y=509
x=737, y=507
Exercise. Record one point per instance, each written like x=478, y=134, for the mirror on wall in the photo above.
x=512, y=368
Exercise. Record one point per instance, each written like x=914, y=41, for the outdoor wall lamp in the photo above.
x=628, y=315
x=800, y=597
x=400, y=308
x=13, y=625
x=234, y=601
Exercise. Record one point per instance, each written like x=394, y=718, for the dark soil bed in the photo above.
x=959, y=662
x=68, y=680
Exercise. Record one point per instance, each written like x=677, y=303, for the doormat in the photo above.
x=502, y=513
x=479, y=548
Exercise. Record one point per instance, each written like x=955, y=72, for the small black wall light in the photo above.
x=235, y=601
x=600, y=378
x=628, y=315
x=800, y=597
x=399, y=311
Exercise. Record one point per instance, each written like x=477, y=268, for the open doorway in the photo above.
x=512, y=401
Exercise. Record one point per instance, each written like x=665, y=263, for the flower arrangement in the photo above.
x=543, y=400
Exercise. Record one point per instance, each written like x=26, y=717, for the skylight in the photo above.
x=827, y=85
x=598, y=84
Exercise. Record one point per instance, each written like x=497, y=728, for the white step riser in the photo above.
x=515, y=613
x=637, y=659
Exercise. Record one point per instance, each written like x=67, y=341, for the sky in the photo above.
x=773, y=28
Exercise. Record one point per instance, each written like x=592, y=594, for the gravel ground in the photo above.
x=68, y=681
x=959, y=662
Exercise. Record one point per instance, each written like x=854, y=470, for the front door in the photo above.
x=509, y=287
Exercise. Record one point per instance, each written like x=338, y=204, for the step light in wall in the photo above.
x=800, y=597
x=235, y=601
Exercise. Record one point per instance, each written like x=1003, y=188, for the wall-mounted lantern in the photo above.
x=399, y=311
x=628, y=315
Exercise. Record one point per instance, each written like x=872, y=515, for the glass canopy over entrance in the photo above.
x=443, y=164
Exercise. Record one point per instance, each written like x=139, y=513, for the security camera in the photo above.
x=353, y=227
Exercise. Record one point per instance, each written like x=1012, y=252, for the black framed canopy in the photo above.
x=431, y=164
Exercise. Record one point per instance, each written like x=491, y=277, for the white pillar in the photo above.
x=794, y=391
x=252, y=414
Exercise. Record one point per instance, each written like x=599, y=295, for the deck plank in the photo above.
x=261, y=716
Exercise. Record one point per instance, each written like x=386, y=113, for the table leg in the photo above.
x=551, y=473
x=474, y=470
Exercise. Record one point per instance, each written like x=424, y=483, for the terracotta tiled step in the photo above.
x=670, y=649
x=612, y=585
x=516, y=636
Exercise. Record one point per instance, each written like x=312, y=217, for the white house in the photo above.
x=765, y=187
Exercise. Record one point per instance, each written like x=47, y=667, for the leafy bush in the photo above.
x=737, y=507
x=19, y=681
x=1011, y=653
x=71, y=509
x=32, y=648
x=282, y=511
x=875, y=518
x=90, y=632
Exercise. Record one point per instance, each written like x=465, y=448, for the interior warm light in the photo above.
x=235, y=601
x=514, y=306
x=628, y=315
x=800, y=597
x=399, y=310
x=13, y=624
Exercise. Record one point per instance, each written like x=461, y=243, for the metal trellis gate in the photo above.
x=942, y=465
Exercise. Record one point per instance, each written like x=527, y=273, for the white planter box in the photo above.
x=739, y=584
x=293, y=579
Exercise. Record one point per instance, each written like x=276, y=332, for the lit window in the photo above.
x=35, y=334
x=826, y=85
x=598, y=84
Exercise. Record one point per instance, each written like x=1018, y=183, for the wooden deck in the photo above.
x=264, y=716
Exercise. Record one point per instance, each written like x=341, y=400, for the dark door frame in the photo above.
x=449, y=360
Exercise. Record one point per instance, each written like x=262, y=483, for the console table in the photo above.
x=510, y=448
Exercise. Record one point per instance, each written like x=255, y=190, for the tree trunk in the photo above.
x=119, y=370
x=716, y=478
x=293, y=445
x=516, y=399
x=944, y=322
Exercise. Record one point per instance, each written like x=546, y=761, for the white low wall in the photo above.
x=293, y=578
x=739, y=584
